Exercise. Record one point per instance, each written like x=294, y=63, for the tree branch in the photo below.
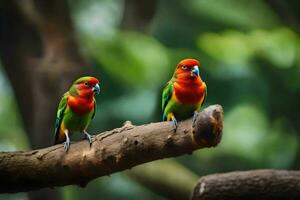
x=111, y=151
x=255, y=184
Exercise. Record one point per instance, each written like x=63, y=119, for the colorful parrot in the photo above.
x=184, y=94
x=76, y=110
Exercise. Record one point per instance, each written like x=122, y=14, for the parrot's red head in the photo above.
x=187, y=69
x=85, y=87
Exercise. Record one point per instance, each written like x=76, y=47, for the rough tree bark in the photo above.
x=111, y=151
x=256, y=184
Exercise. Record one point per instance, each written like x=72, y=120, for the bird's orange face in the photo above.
x=188, y=68
x=88, y=86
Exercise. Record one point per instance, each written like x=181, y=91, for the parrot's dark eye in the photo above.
x=184, y=67
x=86, y=84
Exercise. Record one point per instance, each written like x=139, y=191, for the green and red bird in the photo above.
x=76, y=110
x=184, y=94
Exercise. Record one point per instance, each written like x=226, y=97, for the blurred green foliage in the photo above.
x=132, y=58
x=12, y=136
x=278, y=46
x=250, y=63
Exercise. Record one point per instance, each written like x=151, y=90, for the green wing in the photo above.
x=60, y=114
x=95, y=109
x=166, y=96
x=205, y=96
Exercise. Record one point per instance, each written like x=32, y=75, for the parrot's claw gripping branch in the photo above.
x=174, y=123
x=112, y=151
x=67, y=142
x=88, y=137
x=194, y=117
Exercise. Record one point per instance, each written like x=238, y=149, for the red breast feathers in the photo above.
x=81, y=95
x=188, y=86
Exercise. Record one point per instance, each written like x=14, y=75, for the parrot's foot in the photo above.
x=67, y=142
x=88, y=137
x=174, y=122
x=195, y=117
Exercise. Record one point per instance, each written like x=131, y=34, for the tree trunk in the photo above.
x=41, y=57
